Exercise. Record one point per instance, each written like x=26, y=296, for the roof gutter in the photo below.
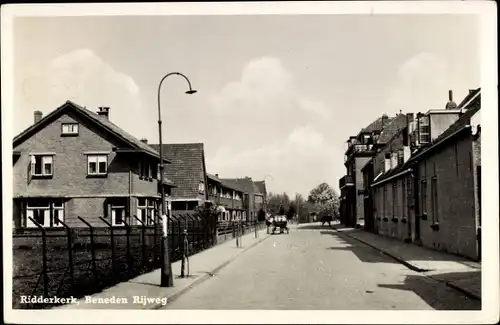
x=123, y=150
x=409, y=170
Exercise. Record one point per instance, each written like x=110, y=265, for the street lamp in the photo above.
x=166, y=267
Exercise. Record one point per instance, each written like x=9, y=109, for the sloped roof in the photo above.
x=472, y=106
x=470, y=95
x=395, y=125
x=244, y=184
x=376, y=125
x=213, y=177
x=105, y=124
x=186, y=169
x=261, y=186
x=232, y=184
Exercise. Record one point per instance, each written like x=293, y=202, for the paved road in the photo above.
x=318, y=268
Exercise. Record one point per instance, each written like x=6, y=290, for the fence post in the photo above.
x=143, y=240
x=183, y=251
x=92, y=247
x=44, y=259
x=256, y=232
x=235, y=232
x=154, y=237
x=129, y=257
x=112, y=237
x=70, y=253
x=242, y=229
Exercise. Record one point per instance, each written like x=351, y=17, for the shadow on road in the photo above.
x=363, y=252
x=436, y=294
x=317, y=226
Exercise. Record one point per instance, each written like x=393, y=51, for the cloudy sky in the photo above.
x=278, y=95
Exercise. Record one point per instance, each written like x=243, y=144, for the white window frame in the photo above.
x=201, y=187
x=98, y=159
x=114, y=207
x=44, y=159
x=49, y=220
x=148, y=209
x=69, y=128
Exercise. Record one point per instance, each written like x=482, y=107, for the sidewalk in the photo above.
x=202, y=266
x=457, y=272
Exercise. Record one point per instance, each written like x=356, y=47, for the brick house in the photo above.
x=433, y=197
x=392, y=150
x=252, y=200
x=74, y=162
x=229, y=198
x=361, y=149
x=188, y=172
x=261, y=207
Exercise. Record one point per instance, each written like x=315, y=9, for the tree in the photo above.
x=291, y=211
x=276, y=201
x=281, y=210
x=325, y=199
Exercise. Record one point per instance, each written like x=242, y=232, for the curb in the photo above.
x=176, y=294
x=394, y=257
x=415, y=268
x=465, y=292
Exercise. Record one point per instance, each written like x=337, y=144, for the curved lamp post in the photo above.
x=166, y=267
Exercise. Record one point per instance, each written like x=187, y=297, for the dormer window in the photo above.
x=69, y=129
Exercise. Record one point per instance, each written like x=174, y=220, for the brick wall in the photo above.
x=360, y=162
x=453, y=167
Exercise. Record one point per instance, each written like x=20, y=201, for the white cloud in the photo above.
x=420, y=80
x=304, y=157
x=275, y=129
x=85, y=78
x=266, y=87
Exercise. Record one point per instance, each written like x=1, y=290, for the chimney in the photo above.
x=385, y=120
x=387, y=162
x=103, y=112
x=217, y=175
x=144, y=140
x=406, y=154
x=394, y=159
x=38, y=116
x=451, y=104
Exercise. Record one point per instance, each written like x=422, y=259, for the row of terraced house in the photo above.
x=417, y=177
x=75, y=162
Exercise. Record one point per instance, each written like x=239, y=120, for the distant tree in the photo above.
x=325, y=200
x=281, y=210
x=291, y=211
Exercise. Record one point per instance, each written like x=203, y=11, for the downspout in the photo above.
x=129, y=195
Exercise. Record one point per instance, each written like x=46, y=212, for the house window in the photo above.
x=47, y=213
x=69, y=129
x=434, y=200
x=42, y=165
x=424, y=129
x=146, y=210
x=118, y=209
x=201, y=187
x=424, y=196
x=97, y=164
